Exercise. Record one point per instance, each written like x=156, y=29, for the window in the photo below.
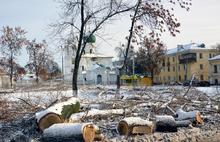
x=201, y=77
x=90, y=51
x=179, y=78
x=173, y=68
x=215, y=69
x=185, y=77
x=200, y=55
x=163, y=64
x=173, y=59
x=201, y=66
x=210, y=55
x=185, y=67
x=168, y=68
x=168, y=78
x=216, y=81
x=83, y=68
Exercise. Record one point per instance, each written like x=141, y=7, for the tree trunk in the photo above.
x=69, y=132
x=74, y=79
x=11, y=70
x=152, y=77
x=129, y=43
x=37, y=78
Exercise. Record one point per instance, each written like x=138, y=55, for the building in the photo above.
x=181, y=63
x=94, y=68
x=4, y=80
x=215, y=70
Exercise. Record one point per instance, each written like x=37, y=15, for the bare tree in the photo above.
x=158, y=16
x=85, y=18
x=150, y=55
x=217, y=47
x=11, y=42
x=38, y=57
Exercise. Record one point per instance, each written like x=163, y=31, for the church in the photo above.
x=94, y=68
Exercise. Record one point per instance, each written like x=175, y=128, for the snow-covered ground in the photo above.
x=144, y=102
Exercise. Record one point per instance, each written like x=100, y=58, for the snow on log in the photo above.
x=57, y=113
x=134, y=125
x=94, y=112
x=69, y=132
x=165, y=123
x=194, y=116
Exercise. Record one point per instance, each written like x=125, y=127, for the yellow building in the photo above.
x=215, y=70
x=182, y=62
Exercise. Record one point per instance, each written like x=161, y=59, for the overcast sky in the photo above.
x=201, y=24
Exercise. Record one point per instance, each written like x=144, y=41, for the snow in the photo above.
x=57, y=108
x=186, y=47
x=77, y=116
x=65, y=129
x=215, y=58
x=137, y=121
x=98, y=55
x=210, y=91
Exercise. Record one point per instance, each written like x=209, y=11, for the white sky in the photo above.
x=201, y=24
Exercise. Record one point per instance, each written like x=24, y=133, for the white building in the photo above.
x=94, y=68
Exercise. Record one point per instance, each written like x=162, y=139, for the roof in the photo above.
x=215, y=58
x=187, y=47
x=97, y=55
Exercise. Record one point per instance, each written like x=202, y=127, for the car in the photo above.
x=204, y=84
x=197, y=83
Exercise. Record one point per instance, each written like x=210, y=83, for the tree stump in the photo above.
x=134, y=125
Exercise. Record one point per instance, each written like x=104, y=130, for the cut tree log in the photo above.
x=193, y=116
x=76, y=117
x=57, y=113
x=48, y=120
x=183, y=123
x=69, y=132
x=134, y=125
x=165, y=123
